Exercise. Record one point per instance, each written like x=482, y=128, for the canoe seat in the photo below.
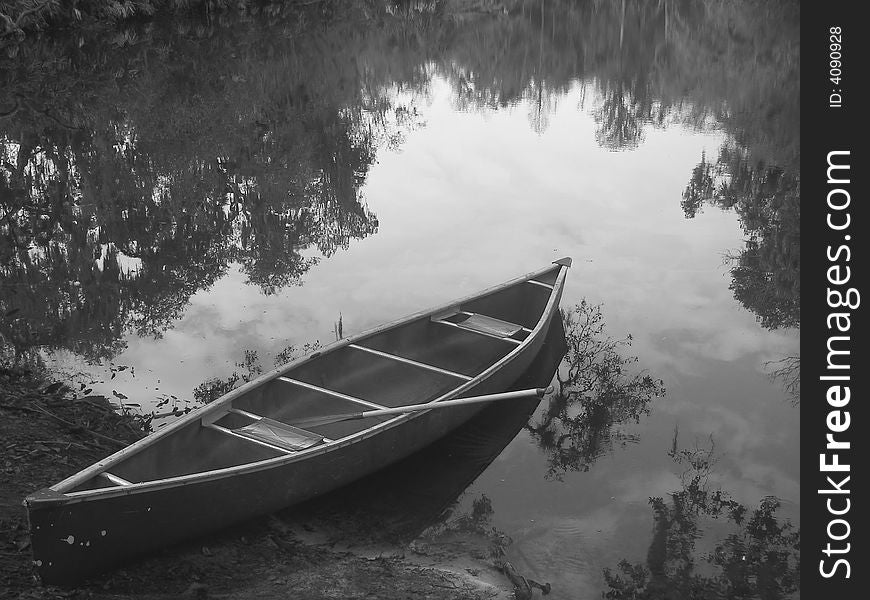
x=279, y=434
x=478, y=322
x=490, y=325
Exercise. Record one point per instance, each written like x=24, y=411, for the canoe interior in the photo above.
x=396, y=504
x=454, y=352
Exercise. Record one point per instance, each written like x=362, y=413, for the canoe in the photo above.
x=273, y=442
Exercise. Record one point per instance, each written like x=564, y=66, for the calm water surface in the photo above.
x=226, y=192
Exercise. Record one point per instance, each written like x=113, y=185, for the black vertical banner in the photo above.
x=834, y=223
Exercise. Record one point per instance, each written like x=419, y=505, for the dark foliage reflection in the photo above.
x=759, y=558
x=766, y=273
x=595, y=396
x=133, y=177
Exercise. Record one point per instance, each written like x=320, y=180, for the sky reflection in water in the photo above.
x=476, y=198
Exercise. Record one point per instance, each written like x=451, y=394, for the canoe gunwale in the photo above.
x=57, y=494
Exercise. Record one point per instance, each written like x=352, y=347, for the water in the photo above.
x=185, y=201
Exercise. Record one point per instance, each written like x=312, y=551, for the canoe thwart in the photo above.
x=408, y=361
x=333, y=393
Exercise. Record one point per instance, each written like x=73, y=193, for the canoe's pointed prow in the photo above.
x=563, y=261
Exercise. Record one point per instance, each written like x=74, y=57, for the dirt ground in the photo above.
x=46, y=434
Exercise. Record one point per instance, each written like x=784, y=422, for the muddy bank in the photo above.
x=48, y=434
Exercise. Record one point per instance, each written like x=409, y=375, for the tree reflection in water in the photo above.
x=759, y=558
x=134, y=176
x=766, y=198
x=595, y=395
x=765, y=273
x=136, y=166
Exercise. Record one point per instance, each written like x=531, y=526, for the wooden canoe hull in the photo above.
x=83, y=538
x=75, y=536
